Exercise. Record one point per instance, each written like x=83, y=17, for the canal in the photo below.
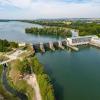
x=75, y=75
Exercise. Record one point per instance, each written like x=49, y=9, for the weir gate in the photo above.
x=43, y=47
x=69, y=42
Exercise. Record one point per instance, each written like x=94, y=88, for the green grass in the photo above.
x=3, y=92
x=46, y=87
x=20, y=85
x=25, y=88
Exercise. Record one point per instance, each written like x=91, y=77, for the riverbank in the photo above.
x=17, y=76
x=46, y=87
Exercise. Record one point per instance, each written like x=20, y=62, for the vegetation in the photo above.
x=7, y=46
x=44, y=81
x=25, y=67
x=3, y=92
x=84, y=28
x=19, y=69
x=57, y=31
x=49, y=23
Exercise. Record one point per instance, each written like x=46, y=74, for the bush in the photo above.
x=7, y=46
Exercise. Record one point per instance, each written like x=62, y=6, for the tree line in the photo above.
x=7, y=46
x=56, y=31
x=86, y=28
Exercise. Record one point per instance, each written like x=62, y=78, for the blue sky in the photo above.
x=34, y=9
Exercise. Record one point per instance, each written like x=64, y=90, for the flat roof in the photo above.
x=90, y=36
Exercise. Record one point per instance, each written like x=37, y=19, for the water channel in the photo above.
x=75, y=75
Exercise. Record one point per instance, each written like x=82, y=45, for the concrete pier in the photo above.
x=73, y=47
x=95, y=44
x=42, y=47
x=51, y=46
x=55, y=44
x=60, y=45
x=65, y=43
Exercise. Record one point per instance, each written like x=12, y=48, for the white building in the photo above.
x=75, y=33
x=95, y=40
x=80, y=40
x=21, y=44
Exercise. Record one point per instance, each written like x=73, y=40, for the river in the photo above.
x=15, y=31
x=75, y=75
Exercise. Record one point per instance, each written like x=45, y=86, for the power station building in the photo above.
x=80, y=40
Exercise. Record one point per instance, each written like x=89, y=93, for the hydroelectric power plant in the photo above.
x=71, y=43
x=75, y=75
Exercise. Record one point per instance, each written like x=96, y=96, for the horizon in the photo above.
x=49, y=9
x=54, y=19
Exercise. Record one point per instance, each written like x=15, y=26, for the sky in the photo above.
x=36, y=9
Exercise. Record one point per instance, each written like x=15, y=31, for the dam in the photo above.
x=75, y=75
x=71, y=43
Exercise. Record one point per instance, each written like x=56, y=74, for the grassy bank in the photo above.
x=45, y=85
x=3, y=92
x=18, y=69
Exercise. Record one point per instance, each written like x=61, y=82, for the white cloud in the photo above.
x=17, y=3
x=51, y=8
x=65, y=10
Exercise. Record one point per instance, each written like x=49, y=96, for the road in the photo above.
x=12, y=56
x=31, y=80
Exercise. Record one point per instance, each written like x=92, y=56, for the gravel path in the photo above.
x=31, y=80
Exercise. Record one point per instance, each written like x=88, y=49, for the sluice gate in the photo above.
x=43, y=47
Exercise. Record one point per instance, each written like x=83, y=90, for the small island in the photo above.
x=56, y=31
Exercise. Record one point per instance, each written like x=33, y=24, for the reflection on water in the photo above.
x=15, y=31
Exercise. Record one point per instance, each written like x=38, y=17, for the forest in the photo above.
x=56, y=31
